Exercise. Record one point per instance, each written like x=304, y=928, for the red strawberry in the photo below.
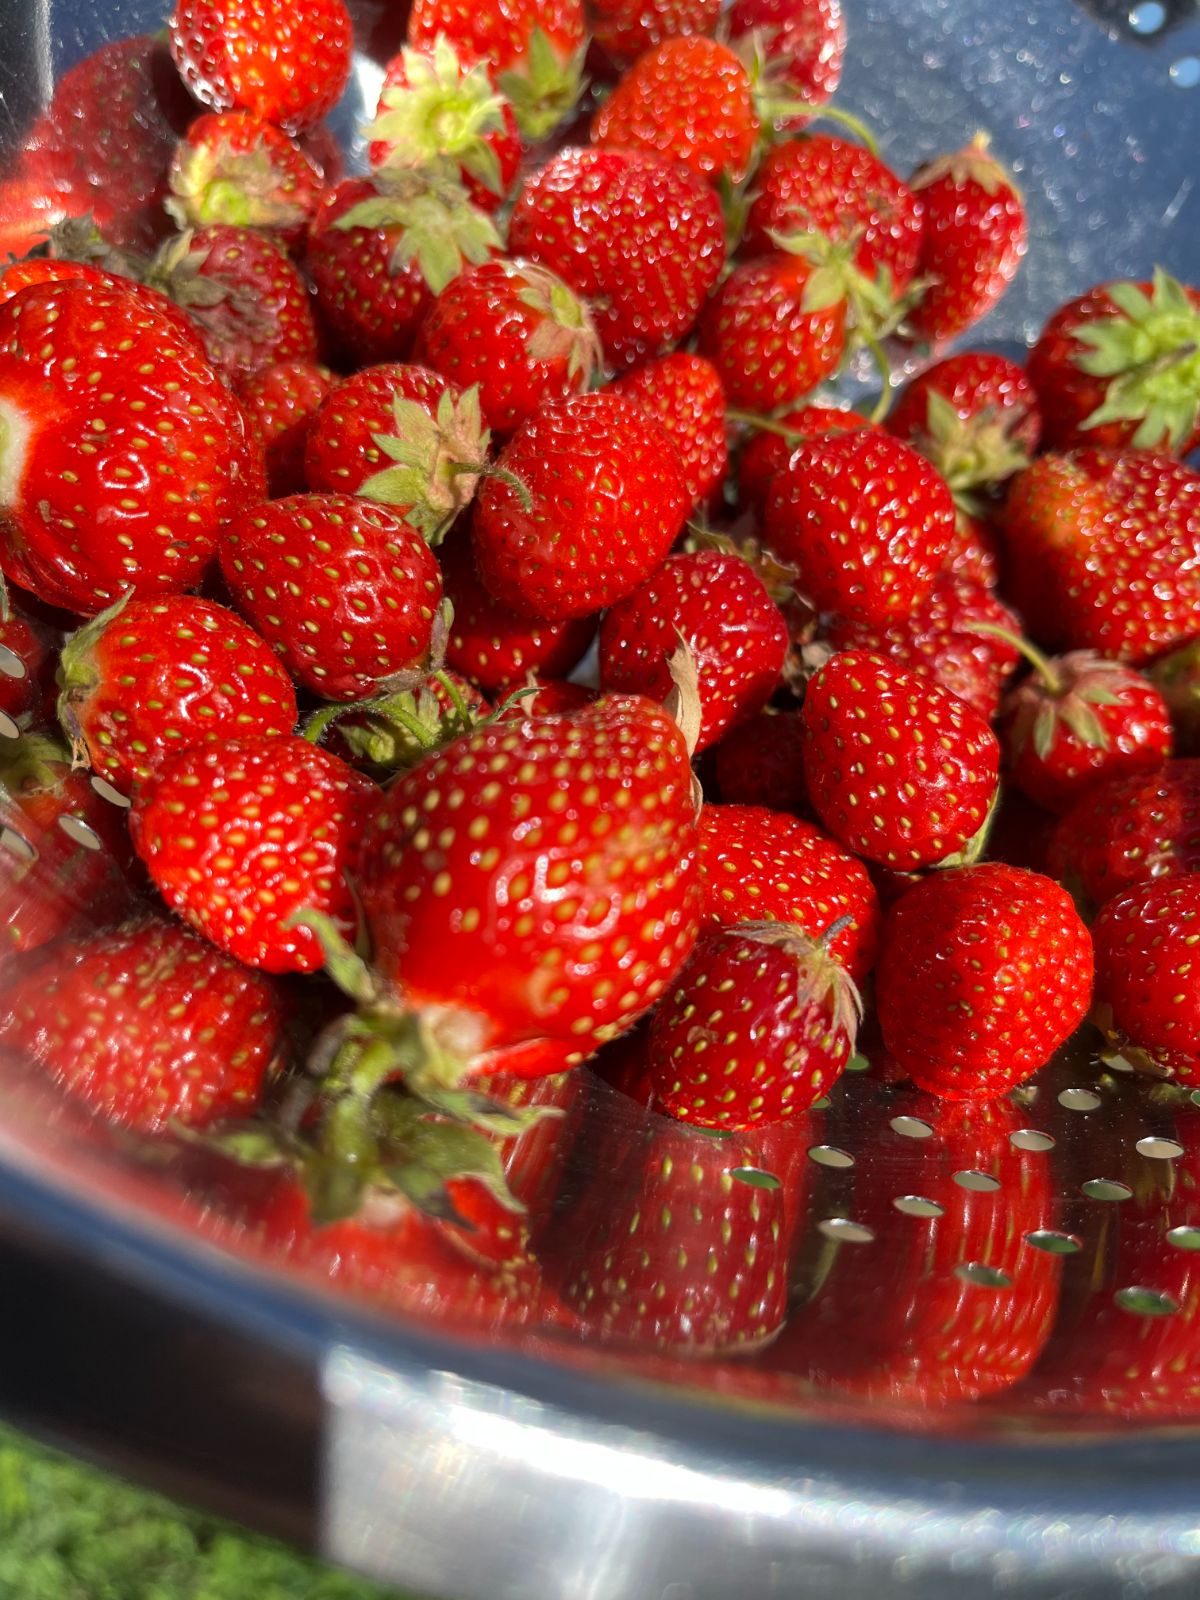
x=70, y=236
x=1129, y=828
x=403, y=436
x=579, y=212
x=975, y=416
x=760, y=763
x=719, y=607
x=143, y=682
x=242, y=834
x=285, y=64
x=1078, y=719
x=760, y=1024
x=865, y=520
x=802, y=41
x=942, y=639
x=29, y=211
x=972, y=553
x=236, y=169
x=1102, y=552
x=683, y=392
x=774, y=329
x=344, y=591
x=602, y=500
x=534, y=48
x=972, y=243
x=145, y=1024
x=1177, y=678
x=899, y=770
x=282, y=402
x=492, y=647
x=379, y=253
x=1147, y=976
x=769, y=446
x=758, y=866
x=984, y=972
x=436, y=110
x=1119, y=365
x=626, y=29
x=97, y=499
x=28, y=660
x=532, y=889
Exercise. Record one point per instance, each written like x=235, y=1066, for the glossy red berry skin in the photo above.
x=1148, y=977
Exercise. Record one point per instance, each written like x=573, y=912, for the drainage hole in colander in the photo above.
x=828, y=1155
x=106, y=792
x=1159, y=1149
x=1184, y=1237
x=1105, y=1189
x=982, y=1276
x=1146, y=1302
x=77, y=829
x=911, y=1128
x=8, y=728
x=977, y=1182
x=1053, y=1242
x=11, y=664
x=916, y=1205
x=1079, y=1100
x=14, y=844
x=755, y=1178
x=846, y=1230
x=1031, y=1139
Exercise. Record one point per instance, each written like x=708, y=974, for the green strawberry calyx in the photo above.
x=440, y=116
x=544, y=90
x=396, y=729
x=222, y=181
x=973, y=453
x=33, y=764
x=563, y=329
x=436, y=461
x=1149, y=351
x=1062, y=692
x=974, y=163
x=438, y=228
x=78, y=675
x=821, y=979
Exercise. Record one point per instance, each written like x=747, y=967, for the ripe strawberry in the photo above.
x=576, y=216
x=626, y=29
x=760, y=866
x=1119, y=366
x=238, y=170
x=344, y=591
x=760, y=1024
x=865, y=520
x=768, y=447
x=603, y=500
x=241, y=834
x=760, y=763
x=1101, y=552
x=774, y=330
x=98, y=498
x=403, y=436
x=379, y=253
x=942, y=639
x=491, y=646
x=1078, y=719
x=148, y=679
x=1128, y=828
x=282, y=63
x=70, y=236
x=29, y=211
x=983, y=973
x=1147, y=977
x=533, y=47
x=436, y=110
x=517, y=332
x=973, y=553
x=145, y=1025
x=683, y=392
x=28, y=660
x=718, y=606
x=972, y=242
x=802, y=41
x=975, y=416
x=1177, y=678
x=532, y=889
x=282, y=403
x=898, y=769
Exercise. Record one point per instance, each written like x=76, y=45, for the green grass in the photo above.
x=68, y=1532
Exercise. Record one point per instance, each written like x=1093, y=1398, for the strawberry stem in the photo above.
x=461, y=710
x=1041, y=664
x=750, y=419
x=828, y=113
x=881, y=407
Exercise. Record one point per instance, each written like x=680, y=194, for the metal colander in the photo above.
x=989, y=1377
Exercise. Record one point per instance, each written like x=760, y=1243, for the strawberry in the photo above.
x=28, y=660
x=379, y=252
x=438, y=111
x=554, y=695
x=71, y=236
x=99, y=498
x=150, y=678
x=760, y=1024
x=759, y=866
x=760, y=763
x=600, y=498
x=282, y=403
x=241, y=834
x=899, y=770
x=516, y=331
x=145, y=1025
x=403, y=436
x=719, y=607
x=947, y=638
x=236, y=169
x=1101, y=552
x=492, y=647
x=683, y=392
x=972, y=242
x=576, y=216
x=983, y=973
x=973, y=553
x=689, y=99
x=865, y=520
x=770, y=444
x=626, y=29
x=345, y=592
x=28, y=212
x=1177, y=678
x=534, y=48
x=282, y=63
x=803, y=42
x=1119, y=366
x=975, y=416
x=1078, y=719
x=1131, y=827
x=1147, y=978
x=774, y=330
x=532, y=888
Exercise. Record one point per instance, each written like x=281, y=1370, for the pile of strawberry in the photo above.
x=453, y=633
